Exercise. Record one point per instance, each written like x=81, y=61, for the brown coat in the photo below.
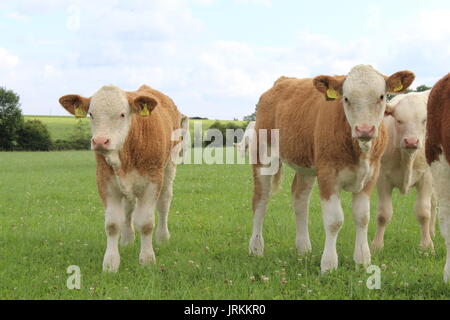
x=314, y=133
x=438, y=125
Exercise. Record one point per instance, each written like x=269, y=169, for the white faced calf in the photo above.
x=404, y=166
x=131, y=134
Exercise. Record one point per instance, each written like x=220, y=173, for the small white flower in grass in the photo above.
x=252, y=279
x=229, y=282
x=191, y=262
x=264, y=279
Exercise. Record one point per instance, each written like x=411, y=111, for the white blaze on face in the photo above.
x=410, y=114
x=110, y=118
x=364, y=97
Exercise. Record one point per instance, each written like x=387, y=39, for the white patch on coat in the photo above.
x=356, y=178
x=363, y=88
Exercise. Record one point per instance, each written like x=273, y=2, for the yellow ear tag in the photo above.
x=145, y=112
x=399, y=87
x=332, y=94
x=80, y=113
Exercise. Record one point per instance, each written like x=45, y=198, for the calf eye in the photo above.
x=122, y=115
x=346, y=99
x=382, y=97
x=90, y=115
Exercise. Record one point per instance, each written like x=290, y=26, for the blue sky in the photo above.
x=213, y=57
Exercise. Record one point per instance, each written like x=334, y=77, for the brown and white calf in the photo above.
x=340, y=141
x=132, y=139
x=437, y=149
x=404, y=166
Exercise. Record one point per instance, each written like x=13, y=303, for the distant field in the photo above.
x=52, y=217
x=61, y=127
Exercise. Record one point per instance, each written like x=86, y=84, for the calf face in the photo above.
x=363, y=92
x=111, y=110
x=410, y=114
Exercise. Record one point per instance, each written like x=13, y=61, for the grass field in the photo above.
x=51, y=218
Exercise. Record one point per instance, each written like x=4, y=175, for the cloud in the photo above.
x=7, y=60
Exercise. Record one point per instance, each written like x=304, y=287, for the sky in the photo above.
x=214, y=58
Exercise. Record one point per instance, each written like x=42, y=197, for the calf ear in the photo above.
x=143, y=105
x=399, y=81
x=330, y=86
x=75, y=104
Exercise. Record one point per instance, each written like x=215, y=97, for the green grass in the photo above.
x=51, y=218
x=61, y=127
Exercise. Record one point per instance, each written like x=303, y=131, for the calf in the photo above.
x=131, y=137
x=329, y=127
x=437, y=150
x=404, y=166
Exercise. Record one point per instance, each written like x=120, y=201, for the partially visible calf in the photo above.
x=132, y=139
x=437, y=151
x=404, y=166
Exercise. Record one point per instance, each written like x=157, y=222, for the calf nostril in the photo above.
x=106, y=141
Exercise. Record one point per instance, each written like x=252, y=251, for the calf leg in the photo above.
x=127, y=232
x=384, y=212
x=144, y=221
x=434, y=206
x=301, y=192
x=261, y=195
x=444, y=216
x=163, y=205
x=422, y=210
x=114, y=220
x=333, y=218
x=361, y=215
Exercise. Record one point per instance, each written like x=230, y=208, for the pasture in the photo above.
x=52, y=217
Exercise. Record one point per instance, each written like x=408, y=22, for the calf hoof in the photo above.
x=126, y=237
x=427, y=246
x=111, y=262
x=328, y=263
x=146, y=258
x=162, y=236
x=377, y=246
x=256, y=246
x=362, y=256
x=303, y=247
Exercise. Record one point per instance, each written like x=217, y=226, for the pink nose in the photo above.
x=411, y=143
x=365, y=131
x=100, y=143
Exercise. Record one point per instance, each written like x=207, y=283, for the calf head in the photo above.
x=111, y=111
x=410, y=114
x=363, y=93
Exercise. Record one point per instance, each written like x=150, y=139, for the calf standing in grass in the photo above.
x=131, y=136
x=329, y=127
x=404, y=166
x=437, y=150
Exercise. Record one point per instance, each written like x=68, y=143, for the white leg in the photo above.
x=144, y=222
x=301, y=192
x=127, y=232
x=333, y=218
x=361, y=215
x=384, y=212
x=260, y=199
x=422, y=210
x=444, y=217
x=163, y=205
x=114, y=220
x=434, y=206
